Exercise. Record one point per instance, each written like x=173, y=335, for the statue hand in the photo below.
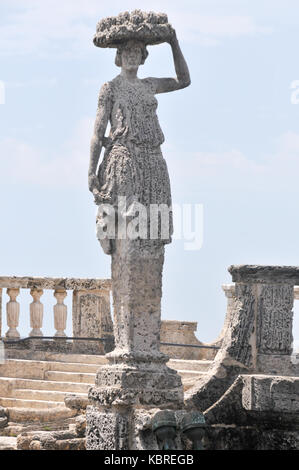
x=97, y=197
x=93, y=182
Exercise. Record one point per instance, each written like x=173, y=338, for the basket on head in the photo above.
x=150, y=28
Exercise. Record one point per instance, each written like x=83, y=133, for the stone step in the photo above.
x=79, y=358
x=20, y=403
x=32, y=369
x=74, y=367
x=191, y=374
x=176, y=364
x=70, y=377
x=68, y=387
x=188, y=364
x=43, y=395
x=44, y=415
x=36, y=369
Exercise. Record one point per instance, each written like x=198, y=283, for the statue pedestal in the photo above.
x=121, y=390
x=137, y=377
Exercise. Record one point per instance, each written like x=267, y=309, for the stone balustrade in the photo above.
x=91, y=317
x=258, y=331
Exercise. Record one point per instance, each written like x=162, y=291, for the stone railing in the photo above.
x=91, y=317
x=258, y=333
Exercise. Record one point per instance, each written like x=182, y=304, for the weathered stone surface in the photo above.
x=3, y=422
x=138, y=378
x=265, y=274
x=110, y=396
x=275, y=318
x=249, y=438
x=150, y=28
x=270, y=393
x=137, y=290
x=91, y=314
x=54, y=283
x=277, y=364
x=238, y=343
x=80, y=426
x=76, y=402
x=8, y=443
x=3, y=418
x=182, y=332
x=107, y=430
x=54, y=440
x=91, y=318
x=72, y=444
x=258, y=337
x=237, y=353
x=47, y=415
x=12, y=430
x=35, y=445
x=253, y=400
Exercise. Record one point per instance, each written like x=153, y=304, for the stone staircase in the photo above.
x=34, y=390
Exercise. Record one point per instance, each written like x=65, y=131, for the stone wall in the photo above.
x=182, y=332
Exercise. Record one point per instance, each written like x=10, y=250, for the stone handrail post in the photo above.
x=60, y=313
x=36, y=312
x=13, y=313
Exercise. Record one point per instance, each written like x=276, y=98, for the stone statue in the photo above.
x=133, y=165
x=133, y=170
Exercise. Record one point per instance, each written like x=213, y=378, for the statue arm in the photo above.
x=101, y=122
x=182, y=80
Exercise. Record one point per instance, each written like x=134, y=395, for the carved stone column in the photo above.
x=60, y=313
x=13, y=313
x=36, y=312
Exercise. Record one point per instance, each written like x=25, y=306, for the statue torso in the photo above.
x=133, y=113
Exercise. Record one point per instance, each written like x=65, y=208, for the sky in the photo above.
x=232, y=143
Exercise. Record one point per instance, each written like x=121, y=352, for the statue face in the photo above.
x=131, y=56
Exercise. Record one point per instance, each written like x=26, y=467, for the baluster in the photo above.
x=13, y=313
x=60, y=313
x=36, y=312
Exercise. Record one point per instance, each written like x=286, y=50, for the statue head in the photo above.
x=131, y=54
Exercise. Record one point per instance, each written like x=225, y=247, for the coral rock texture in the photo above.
x=150, y=28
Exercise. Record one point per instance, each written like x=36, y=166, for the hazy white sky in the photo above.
x=232, y=142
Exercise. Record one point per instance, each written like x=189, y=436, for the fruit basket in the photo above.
x=150, y=28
